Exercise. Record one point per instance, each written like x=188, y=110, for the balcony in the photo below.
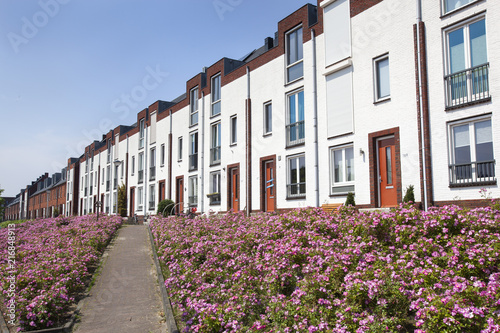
x=295, y=133
x=215, y=155
x=152, y=173
x=297, y=190
x=468, y=86
x=472, y=174
x=193, y=162
x=141, y=176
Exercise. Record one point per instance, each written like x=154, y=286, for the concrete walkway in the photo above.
x=126, y=295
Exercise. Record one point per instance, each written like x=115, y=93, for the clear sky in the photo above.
x=66, y=65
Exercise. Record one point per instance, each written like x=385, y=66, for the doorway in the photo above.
x=179, y=194
x=386, y=171
x=234, y=188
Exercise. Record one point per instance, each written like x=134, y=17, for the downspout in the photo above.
x=170, y=158
x=126, y=178
x=202, y=153
x=248, y=147
x=421, y=107
x=315, y=121
x=145, y=191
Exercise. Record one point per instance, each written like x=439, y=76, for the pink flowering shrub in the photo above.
x=53, y=257
x=309, y=271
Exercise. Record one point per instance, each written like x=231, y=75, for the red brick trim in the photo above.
x=359, y=6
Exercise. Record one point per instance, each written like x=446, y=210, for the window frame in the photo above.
x=443, y=7
x=141, y=133
x=300, y=195
x=152, y=197
x=296, y=125
x=179, y=149
x=233, y=130
x=192, y=147
x=215, y=197
x=215, y=143
x=162, y=155
x=376, y=76
x=349, y=186
x=216, y=81
x=133, y=165
x=193, y=106
x=300, y=61
x=191, y=191
x=152, y=164
x=268, y=125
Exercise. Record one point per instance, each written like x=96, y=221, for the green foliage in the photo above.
x=122, y=200
x=56, y=212
x=409, y=196
x=5, y=224
x=2, y=202
x=165, y=207
x=350, y=199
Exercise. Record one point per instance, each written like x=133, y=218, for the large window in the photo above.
x=193, y=107
x=216, y=89
x=342, y=169
x=450, y=5
x=468, y=67
x=215, y=188
x=108, y=178
x=140, y=198
x=472, y=158
x=193, y=151
x=215, y=144
x=193, y=191
x=381, y=78
x=296, y=176
x=109, y=151
x=140, y=168
x=295, y=129
x=152, y=164
x=151, y=197
x=141, y=133
x=268, y=118
x=294, y=55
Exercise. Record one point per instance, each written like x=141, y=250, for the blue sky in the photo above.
x=66, y=67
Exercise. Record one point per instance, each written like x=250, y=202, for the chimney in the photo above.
x=269, y=43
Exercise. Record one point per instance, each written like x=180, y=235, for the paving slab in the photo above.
x=126, y=295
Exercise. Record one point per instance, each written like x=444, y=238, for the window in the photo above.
x=193, y=107
x=216, y=89
x=234, y=130
x=162, y=155
x=215, y=188
x=450, y=5
x=140, y=168
x=152, y=164
x=122, y=173
x=193, y=191
x=193, y=151
x=179, y=143
x=472, y=158
x=381, y=73
x=133, y=165
x=140, y=198
x=294, y=55
x=151, y=197
x=109, y=150
x=268, y=118
x=108, y=178
x=92, y=161
x=295, y=132
x=103, y=176
x=468, y=68
x=91, y=184
x=114, y=202
x=141, y=133
x=342, y=169
x=215, y=144
x=107, y=203
x=296, y=176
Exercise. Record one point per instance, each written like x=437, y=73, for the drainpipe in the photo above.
x=248, y=147
x=170, y=157
x=421, y=107
x=145, y=190
x=202, y=157
x=315, y=121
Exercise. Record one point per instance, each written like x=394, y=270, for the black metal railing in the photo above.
x=296, y=190
x=295, y=133
x=140, y=175
x=193, y=162
x=467, y=86
x=152, y=173
x=472, y=173
x=215, y=155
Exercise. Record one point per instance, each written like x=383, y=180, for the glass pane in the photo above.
x=234, y=129
x=338, y=166
x=269, y=118
x=461, y=136
x=457, y=51
x=454, y=4
x=477, y=33
x=296, y=71
x=349, y=162
x=383, y=78
x=302, y=168
x=292, y=111
x=216, y=89
x=292, y=48
x=484, y=141
x=293, y=171
x=215, y=108
x=388, y=158
x=301, y=106
x=300, y=54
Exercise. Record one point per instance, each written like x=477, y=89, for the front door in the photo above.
x=132, y=202
x=235, y=189
x=180, y=195
x=269, y=187
x=388, y=195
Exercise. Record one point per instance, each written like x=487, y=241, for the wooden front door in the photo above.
x=269, y=187
x=179, y=195
x=235, y=189
x=132, y=202
x=388, y=195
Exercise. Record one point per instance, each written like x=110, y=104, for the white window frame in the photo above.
x=109, y=150
x=152, y=197
x=193, y=150
x=233, y=133
x=193, y=106
x=162, y=155
x=300, y=62
x=140, y=197
x=141, y=133
x=152, y=163
x=215, y=178
x=376, y=77
x=295, y=126
x=216, y=93
x=193, y=191
x=140, y=167
x=215, y=143
x=268, y=127
x=346, y=183
x=289, y=176
x=445, y=12
x=133, y=165
x=179, y=149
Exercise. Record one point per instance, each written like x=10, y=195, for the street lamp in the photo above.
x=97, y=207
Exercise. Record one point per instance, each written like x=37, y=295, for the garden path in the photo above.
x=126, y=295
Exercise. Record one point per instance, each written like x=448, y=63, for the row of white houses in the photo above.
x=362, y=96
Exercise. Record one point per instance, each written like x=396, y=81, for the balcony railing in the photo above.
x=215, y=155
x=140, y=176
x=475, y=173
x=108, y=185
x=193, y=162
x=296, y=190
x=467, y=86
x=152, y=173
x=295, y=133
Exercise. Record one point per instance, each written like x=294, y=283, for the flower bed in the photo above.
x=309, y=271
x=53, y=258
